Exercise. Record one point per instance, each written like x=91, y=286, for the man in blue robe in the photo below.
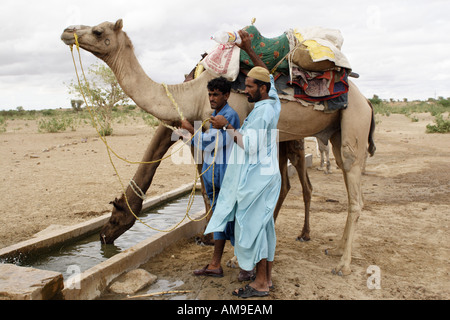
x=252, y=182
x=219, y=91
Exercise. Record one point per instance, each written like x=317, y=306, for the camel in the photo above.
x=350, y=130
x=323, y=151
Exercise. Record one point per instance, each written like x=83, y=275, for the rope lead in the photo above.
x=133, y=184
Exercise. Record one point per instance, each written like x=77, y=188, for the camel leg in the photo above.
x=324, y=151
x=355, y=203
x=285, y=185
x=322, y=162
x=296, y=155
x=328, y=160
x=295, y=152
x=350, y=147
x=343, y=247
x=326, y=155
x=321, y=153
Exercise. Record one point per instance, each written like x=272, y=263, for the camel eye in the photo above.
x=97, y=32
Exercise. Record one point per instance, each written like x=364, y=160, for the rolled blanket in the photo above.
x=324, y=48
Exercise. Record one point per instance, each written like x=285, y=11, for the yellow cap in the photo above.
x=259, y=73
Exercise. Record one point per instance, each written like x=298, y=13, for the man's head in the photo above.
x=257, y=84
x=219, y=91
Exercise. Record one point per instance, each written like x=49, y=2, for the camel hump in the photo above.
x=312, y=49
x=271, y=50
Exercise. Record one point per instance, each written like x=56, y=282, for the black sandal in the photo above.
x=249, y=291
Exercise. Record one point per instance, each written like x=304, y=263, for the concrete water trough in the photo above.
x=18, y=282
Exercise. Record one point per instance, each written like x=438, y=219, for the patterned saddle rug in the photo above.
x=271, y=50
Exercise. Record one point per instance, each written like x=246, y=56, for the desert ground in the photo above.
x=403, y=233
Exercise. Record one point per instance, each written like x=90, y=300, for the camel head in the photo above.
x=120, y=221
x=103, y=40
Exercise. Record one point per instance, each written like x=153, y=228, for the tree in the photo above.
x=102, y=92
x=375, y=100
x=76, y=104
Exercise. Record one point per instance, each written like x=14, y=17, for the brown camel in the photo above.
x=350, y=130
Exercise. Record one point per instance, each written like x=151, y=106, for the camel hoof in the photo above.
x=303, y=239
x=343, y=271
x=330, y=252
x=199, y=242
x=336, y=273
x=203, y=242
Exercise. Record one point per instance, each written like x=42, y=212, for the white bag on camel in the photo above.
x=223, y=60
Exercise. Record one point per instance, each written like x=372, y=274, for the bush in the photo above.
x=375, y=100
x=442, y=125
x=105, y=132
x=54, y=124
x=2, y=124
x=444, y=102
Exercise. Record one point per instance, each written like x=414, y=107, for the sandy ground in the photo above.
x=403, y=232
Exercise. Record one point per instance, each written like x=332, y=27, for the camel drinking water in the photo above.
x=350, y=130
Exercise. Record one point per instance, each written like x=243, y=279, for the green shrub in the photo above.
x=375, y=100
x=48, y=112
x=442, y=125
x=104, y=132
x=54, y=124
x=2, y=124
x=444, y=102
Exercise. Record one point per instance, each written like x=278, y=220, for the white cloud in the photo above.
x=400, y=48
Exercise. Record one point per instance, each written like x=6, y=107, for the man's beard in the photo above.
x=256, y=98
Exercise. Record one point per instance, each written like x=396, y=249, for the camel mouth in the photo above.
x=68, y=37
x=68, y=34
x=105, y=240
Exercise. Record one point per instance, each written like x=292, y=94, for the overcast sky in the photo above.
x=401, y=49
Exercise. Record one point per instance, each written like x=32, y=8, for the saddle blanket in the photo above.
x=293, y=91
x=319, y=86
x=315, y=47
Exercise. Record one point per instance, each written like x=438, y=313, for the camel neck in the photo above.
x=146, y=93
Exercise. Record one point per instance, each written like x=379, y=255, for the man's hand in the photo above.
x=246, y=45
x=246, y=42
x=186, y=130
x=218, y=122
x=185, y=124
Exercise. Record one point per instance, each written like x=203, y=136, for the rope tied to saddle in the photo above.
x=136, y=189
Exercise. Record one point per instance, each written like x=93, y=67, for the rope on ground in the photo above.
x=159, y=294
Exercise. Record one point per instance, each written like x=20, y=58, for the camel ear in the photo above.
x=115, y=203
x=119, y=25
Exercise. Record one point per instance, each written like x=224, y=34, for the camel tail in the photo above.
x=371, y=149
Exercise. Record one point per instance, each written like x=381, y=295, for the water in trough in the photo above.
x=80, y=255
